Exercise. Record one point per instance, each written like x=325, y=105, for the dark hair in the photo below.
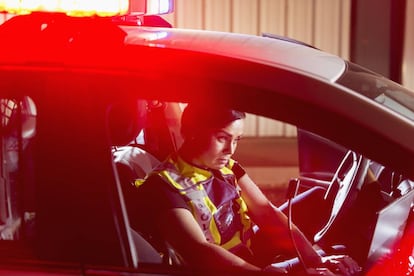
x=197, y=117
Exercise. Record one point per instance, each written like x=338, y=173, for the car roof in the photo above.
x=271, y=51
x=264, y=50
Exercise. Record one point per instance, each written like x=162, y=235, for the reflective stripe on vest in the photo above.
x=190, y=181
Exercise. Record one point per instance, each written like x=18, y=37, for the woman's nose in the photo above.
x=230, y=147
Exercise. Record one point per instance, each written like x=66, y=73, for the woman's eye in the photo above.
x=235, y=141
x=227, y=139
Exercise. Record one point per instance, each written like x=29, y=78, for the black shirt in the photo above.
x=155, y=196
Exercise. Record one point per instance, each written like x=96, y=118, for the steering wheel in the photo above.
x=343, y=188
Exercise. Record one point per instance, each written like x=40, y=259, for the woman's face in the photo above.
x=219, y=145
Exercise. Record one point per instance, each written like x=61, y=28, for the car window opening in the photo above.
x=18, y=128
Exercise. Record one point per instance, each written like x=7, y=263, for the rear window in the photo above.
x=18, y=128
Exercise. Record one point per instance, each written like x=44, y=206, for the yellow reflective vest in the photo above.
x=214, y=199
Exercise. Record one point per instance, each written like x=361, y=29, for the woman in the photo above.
x=209, y=210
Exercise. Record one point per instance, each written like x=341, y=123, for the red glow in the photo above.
x=401, y=262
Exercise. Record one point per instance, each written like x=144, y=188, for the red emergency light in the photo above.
x=105, y=8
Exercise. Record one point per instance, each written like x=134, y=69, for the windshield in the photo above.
x=376, y=87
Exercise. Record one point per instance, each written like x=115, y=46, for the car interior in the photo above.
x=337, y=167
x=143, y=132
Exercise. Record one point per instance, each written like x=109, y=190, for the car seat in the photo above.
x=125, y=120
x=126, y=123
x=139, y=136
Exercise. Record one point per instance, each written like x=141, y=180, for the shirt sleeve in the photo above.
x=147, y=203
x=158, y=195
x=154, y=197
x=238, y=170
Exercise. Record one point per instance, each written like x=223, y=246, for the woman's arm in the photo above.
x=274, y=223
x=183, y=233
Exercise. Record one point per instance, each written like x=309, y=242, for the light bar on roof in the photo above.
x=88, y=7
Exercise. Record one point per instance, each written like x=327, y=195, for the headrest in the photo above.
x=125, y=121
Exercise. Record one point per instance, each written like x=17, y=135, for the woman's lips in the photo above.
x=223, y=160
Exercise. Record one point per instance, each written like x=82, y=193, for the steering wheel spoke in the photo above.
x=343, y=188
